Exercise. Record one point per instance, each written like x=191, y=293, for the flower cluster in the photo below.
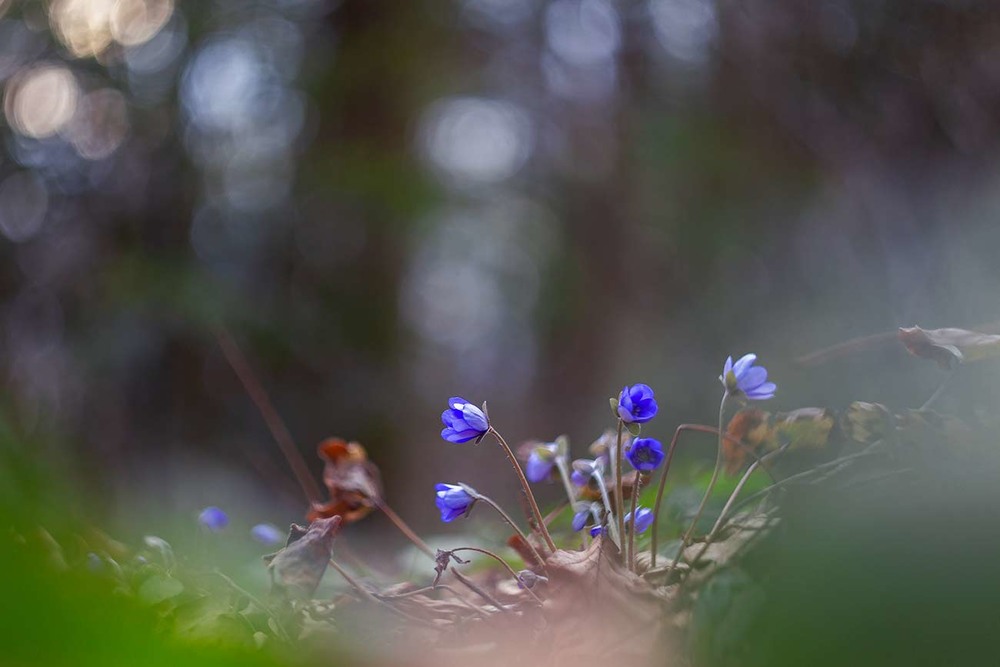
x=594, y=487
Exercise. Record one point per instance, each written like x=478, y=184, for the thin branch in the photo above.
x=275, y=424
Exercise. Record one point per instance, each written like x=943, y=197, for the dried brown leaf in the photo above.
x=354, y=482
x=949, y=346
x=297, y=569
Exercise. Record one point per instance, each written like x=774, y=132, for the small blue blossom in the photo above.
x=265, y=533
x=541, y=460
x=579, y=478
x=598, y=530
x=643, y=519
x=463, y=421
x=746, y=379
x=580, y=519
x=636, y=404
x=645, y=454
x=453, y=500
x=213, y=518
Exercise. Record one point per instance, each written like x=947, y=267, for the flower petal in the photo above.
x=753, y=378
x=745, y=362
x=763, y=392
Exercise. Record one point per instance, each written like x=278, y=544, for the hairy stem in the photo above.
x=564, y=475
x=619, y=516
x=497, y=558
x=711, y=486
x=537, y=518
x=612, y=525
x=506, y=517
x=700, y=428
x=732, y=499
x=631, y=528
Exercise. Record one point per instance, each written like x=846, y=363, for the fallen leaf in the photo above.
x=949, y=346
x=297, y=569
x=353, y=481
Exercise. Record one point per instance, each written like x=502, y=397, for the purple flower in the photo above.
x=598, y=530
x=636, y=404
x=745, y=378
x=541, y=460
x=580, y=519
x=453, y=500
x=645, y=454
x=265, y=533
x=643, y=519
x=579, y=478
x=463, y=421
x=213, y=518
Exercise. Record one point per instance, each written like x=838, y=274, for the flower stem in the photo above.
x=700, y=428
x=732, y=499
x=711, y=486
x=506, y=517
x=539, y=524
x=615, y=537
x=564, y=475
x=420, y=544
x=618, y=487
x=517, y=578
x=631, y=529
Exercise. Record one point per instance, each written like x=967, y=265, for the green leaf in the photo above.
x=634, y=428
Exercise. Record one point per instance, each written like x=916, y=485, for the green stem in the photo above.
x=711, y=486
x=539, y=524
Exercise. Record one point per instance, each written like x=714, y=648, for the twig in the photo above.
x=271, y=417
x=366, y=594
x=867, y=451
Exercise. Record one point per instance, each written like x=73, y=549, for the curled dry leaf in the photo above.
x=949, y=346
x=297, y=569
x=763, y=432
x=353, y=481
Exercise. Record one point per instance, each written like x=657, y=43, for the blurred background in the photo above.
x=528, y=202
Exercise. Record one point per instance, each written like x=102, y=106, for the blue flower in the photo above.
x=541, y=460
x=463, y=421
x=636, y=404
x=453, y=500
x=598, y=530
x=643, y=519
x=645, y=454
x=265, y=533
x=745, y=378
x=213, y=518
x=579, y=478
x=580, y=519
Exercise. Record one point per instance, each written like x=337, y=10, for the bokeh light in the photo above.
x=100, y=124
x=41, y=100
x=477, y=140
